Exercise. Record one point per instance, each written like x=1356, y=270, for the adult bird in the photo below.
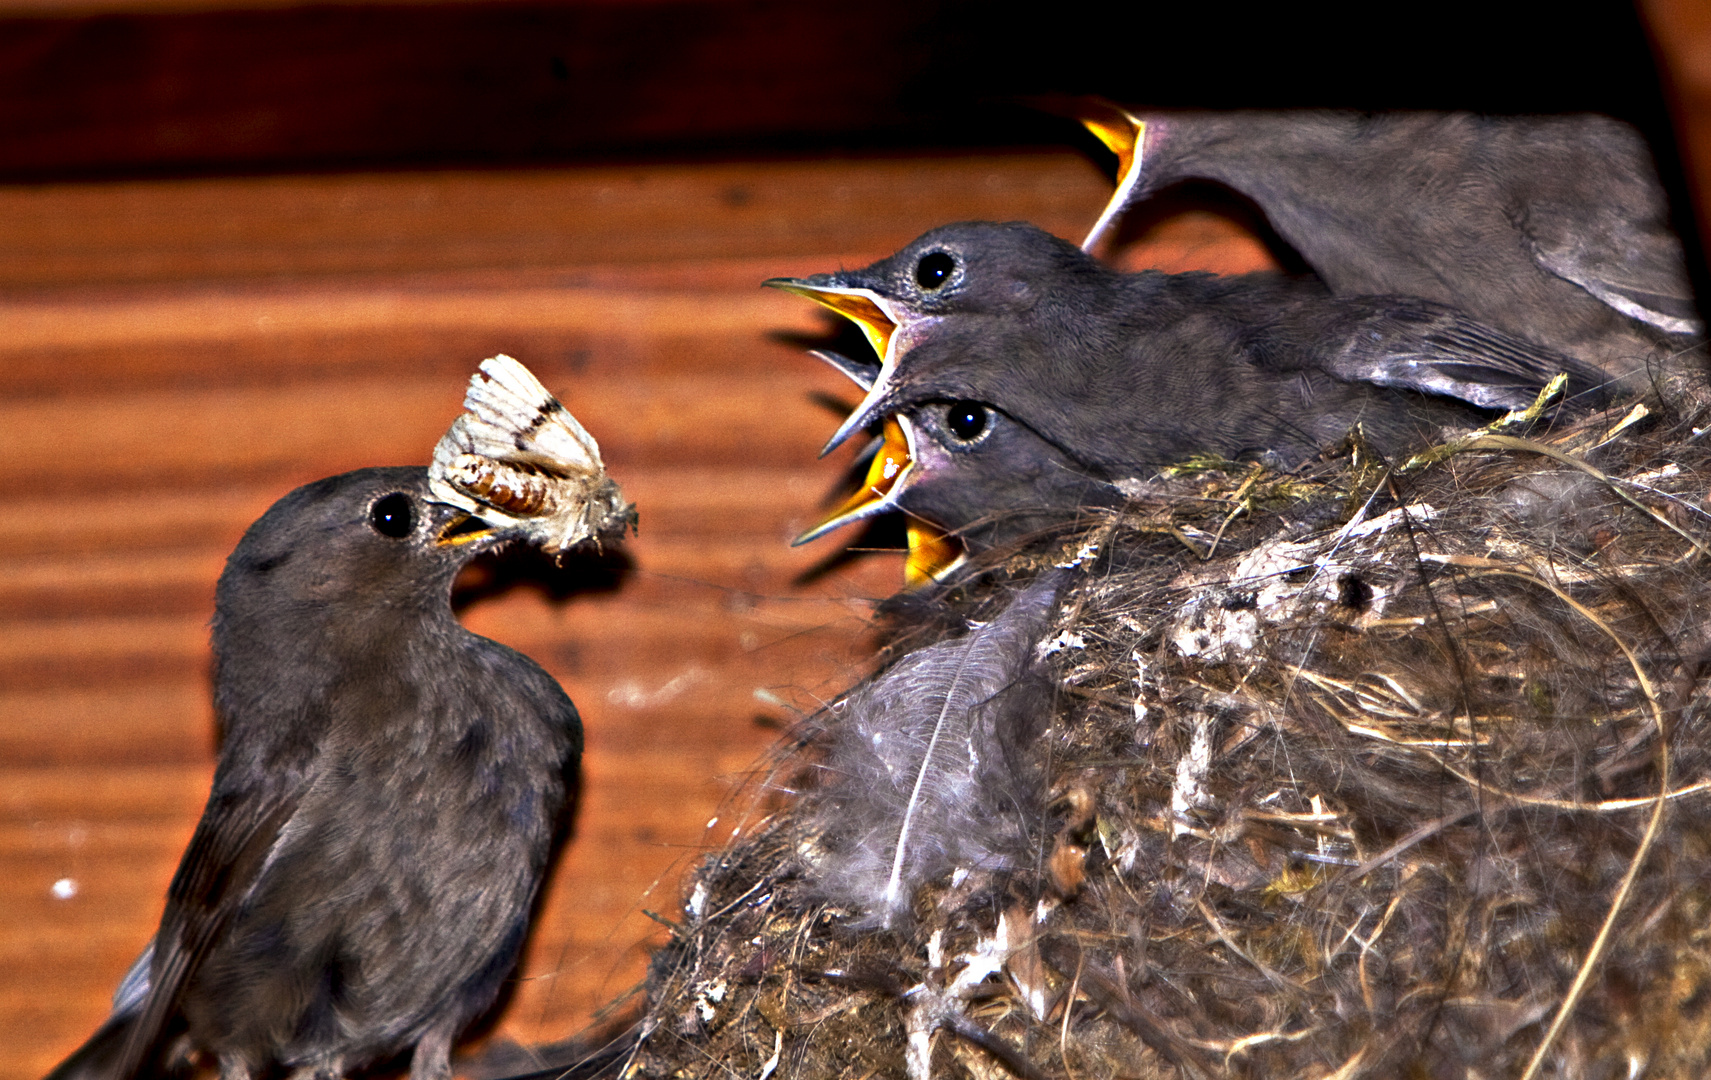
x=1018, y=376
x=387, y=795
x=1554, y=229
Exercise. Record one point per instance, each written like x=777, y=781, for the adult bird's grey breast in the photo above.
x=387, y=794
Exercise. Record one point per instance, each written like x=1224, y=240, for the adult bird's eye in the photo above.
x=393, y=515
x=967, y=420
x=934, y=269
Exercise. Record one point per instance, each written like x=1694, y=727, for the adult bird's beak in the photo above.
x=1125, y=135
x=462, y=529
x=877, y=319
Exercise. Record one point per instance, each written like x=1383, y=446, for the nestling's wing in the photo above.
x=1605, y=226
x=1649, y=285
x=1412, y=344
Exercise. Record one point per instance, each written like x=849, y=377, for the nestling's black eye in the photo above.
x=934, y=269
x=967, y=420
x=393, y=515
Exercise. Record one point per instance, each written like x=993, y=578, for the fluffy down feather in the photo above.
x=928, y=767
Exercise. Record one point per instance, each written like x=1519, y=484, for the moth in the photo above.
x=517, y=460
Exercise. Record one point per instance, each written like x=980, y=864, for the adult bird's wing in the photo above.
x=1412, y=344
x=238, y=831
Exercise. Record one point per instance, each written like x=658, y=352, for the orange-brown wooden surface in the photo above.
x=174, y=355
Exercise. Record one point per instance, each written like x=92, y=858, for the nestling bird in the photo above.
x=965, y=467
x=1554, y=229
x=387, y=795
x=1017, y=373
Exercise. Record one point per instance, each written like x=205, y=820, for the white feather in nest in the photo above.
x=928, y=769
x=518, y=460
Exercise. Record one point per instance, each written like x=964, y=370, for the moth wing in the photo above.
x=514, y=418
x=512, y=423
x=457, y=441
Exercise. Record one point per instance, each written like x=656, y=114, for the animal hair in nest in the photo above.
x=1376, y=769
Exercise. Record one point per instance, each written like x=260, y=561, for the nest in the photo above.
x=1376, y=769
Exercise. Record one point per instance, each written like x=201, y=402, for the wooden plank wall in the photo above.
x=177, y=353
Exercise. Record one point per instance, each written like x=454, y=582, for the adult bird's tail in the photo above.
x=102, y=1055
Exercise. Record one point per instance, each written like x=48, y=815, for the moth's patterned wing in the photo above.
x=520, y=461
x=517, y=420
x=453, y=445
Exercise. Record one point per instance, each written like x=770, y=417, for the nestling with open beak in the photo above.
x=1553, y=229
x=388, y=792
x=1020, y=377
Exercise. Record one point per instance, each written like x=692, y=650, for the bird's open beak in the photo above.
x=1125, y=135
x=933, y=553
x=464, y=529
x=886, y=476
x=877, y=319
x=862, y=374
x=864, y=307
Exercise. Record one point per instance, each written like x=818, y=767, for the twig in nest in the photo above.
x=1584, y=976
x=1513, y=442
x=930, y=1009
x=1435, y=454
x=1422, y=832
x=959, y=1024
x=1244, y=504
x=1114, y=998
x=1276, y=978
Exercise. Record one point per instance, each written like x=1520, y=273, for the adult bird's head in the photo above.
x=970, y=269
x=345, y=561
x=370, y=533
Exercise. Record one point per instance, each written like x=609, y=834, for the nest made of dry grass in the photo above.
x=1356, y=772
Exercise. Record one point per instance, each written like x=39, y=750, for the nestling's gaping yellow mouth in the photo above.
x=861, y=306
x=1124, y=135
x=932, y=552
x=885, y=476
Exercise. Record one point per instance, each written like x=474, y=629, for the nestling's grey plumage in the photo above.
x=1552, y=228
x=1031, y=376
x=929, y=766
x=388, y=791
